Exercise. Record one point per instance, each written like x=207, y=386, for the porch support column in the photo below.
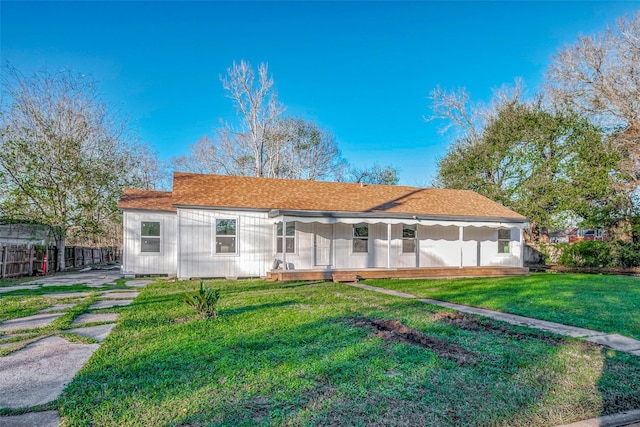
x=389, y=245
x=521, y=247
x=460, y=242
x=284, y=243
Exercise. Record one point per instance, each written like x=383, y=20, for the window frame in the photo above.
x=355, y=238
x=503, y=240
x=413, y=228
x=288, y=237
x=151, y=236
x=236, y=236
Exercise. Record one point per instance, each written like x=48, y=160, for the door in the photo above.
x=322, y=243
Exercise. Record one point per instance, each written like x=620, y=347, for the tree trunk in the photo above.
x=60, y=241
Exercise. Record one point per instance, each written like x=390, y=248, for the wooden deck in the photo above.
x=393, y=273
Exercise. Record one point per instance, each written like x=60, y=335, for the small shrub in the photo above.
x=627, y=254
x=204, y=301
x=588, y=254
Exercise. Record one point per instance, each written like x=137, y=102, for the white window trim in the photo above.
x=402, y=239
x=504, y=254
x=368, y=238
x=279, y=238
x=140, y=237
x=215, y=235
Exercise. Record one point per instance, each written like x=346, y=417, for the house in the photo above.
x=18, y=233
x=576, y=235
x=229, y=226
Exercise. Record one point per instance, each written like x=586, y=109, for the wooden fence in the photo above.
x=25, y=260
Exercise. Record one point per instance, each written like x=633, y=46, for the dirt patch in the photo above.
x=472, y=323
x=392, y=330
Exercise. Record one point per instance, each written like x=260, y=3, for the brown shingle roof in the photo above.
x=284, y=194
x=146, y=199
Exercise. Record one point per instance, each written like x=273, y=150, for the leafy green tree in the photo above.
x=551, y=166
x=64, y=159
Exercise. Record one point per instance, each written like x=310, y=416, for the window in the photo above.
x=408, y=239
x=290, y=238
x=361, y=238
x=226, y=235
x=150, y=237
x=504, y=237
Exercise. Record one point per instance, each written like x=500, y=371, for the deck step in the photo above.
x=345, y=277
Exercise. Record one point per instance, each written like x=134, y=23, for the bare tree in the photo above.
x=302, y=150
x=202, y=158
x=149, y=172
x=63, y=155
x=376, y=174
x=466, y=118
x=257, y=105
x=600, y=76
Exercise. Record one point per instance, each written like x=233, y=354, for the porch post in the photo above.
x=521, y=247
x=284, y=243
x=389, y=245
x=460, y=242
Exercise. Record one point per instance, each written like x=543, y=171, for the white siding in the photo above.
x=137, y=262
x=439, y=246
x=255, y=244
x=303, y=258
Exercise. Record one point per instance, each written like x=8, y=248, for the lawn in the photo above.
x=27, y=302
x=599, y=302
x=325, y=354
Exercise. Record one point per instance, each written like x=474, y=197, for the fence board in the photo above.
x=23, y=260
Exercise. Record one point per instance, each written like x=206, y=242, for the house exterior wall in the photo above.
x=188, y=245
x=138, y=262
x=439, y=246
x=196, y=236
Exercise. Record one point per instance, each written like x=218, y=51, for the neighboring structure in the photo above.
x=227, y=226
x=24, y=234
x=576, y=235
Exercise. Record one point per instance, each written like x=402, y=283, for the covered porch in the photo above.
x=353, y=275
x=343, y=246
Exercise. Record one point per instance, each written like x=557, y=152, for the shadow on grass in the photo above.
x=248, y=308
x=602, y=303
x=282, y=363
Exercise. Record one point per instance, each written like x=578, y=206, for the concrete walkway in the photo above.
x=38, y=373
x=614, y=341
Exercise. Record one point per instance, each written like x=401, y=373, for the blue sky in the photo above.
x=360, y=69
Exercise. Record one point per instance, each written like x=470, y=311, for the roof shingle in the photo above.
x=269, y=193
x=146, y=199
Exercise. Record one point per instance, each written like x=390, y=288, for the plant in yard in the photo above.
x=204, y=301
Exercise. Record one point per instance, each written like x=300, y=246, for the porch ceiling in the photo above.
x=325, y=217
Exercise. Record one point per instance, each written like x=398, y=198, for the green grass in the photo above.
x=27, y=302
x=293, y=355
x=598, y=302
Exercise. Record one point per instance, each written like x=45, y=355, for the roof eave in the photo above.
x=273, y=213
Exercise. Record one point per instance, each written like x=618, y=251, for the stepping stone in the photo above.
x=117, y=294
x=17, y=288
x=67, y=295
x=38, y=373
x=111, y=303
x=29, y=322
x=57, y=307
x=98, y=332
x=617, y=342
x=95, y=317
x=30, y=419
x=138, y=283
